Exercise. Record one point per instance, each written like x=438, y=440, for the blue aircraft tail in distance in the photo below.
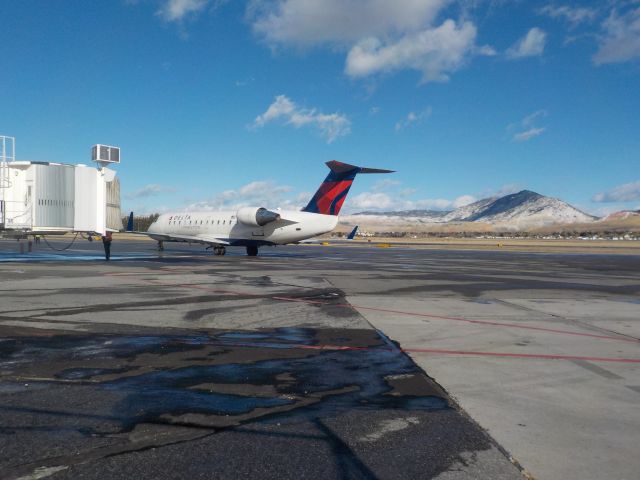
x=130, y=223
x=353, y=233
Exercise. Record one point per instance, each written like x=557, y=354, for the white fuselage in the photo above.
x=293, y=226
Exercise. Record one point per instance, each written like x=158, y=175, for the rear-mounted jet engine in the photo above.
x=256, y=217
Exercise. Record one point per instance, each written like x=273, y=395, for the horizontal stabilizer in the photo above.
x=330, y=196
x=340, y=167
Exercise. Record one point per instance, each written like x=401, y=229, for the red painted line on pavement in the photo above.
x=461, y=319
x=522, y=355
x=401, y=312
x=535, y=356
x=503, y=324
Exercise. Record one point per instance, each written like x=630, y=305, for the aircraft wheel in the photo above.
x=252, y=250
x=223, y=250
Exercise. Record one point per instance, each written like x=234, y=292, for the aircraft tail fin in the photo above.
x=330, y=196
x=130, y=223
x=353, y=233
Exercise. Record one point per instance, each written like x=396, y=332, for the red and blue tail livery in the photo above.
x=330, y=196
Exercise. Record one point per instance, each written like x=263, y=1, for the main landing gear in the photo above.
x=160, y=245
x=219, y=250
x=252, y=250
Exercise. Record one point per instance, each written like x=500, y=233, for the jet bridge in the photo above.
x=38, y=198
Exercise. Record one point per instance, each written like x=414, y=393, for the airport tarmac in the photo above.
x=314, y=361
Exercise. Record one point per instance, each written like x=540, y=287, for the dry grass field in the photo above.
x=511, y=244
x=481, y=244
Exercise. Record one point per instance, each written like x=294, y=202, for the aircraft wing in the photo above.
x=202, y=238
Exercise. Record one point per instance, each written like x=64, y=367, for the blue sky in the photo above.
x=220, y=103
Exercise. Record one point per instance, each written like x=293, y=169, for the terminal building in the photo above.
x=38, y=198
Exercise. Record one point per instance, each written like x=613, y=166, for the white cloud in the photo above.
x=245, y=82
x=440, y=203
x=385, y=184
x=413, y=117
x=389, y=195
x=573, y=15
x=431, y=204
x=528, y=134
x=178, y=10
x=407, y=192
x=529, y=119
x=507, y=189
x=463, y=200
x=620, y=41
x=603, y=211
x=303, y=197
x=258, y=193
x=381, y=36
x=258, y=188
x=435, y=52
x=281, y=107
x=369, y=200
x=531, y=45
x=486, y=50
x=394, y=202
x=151, y=190
x=628, y=192
x=306, y=23
x=527, y=127
x=331, y=126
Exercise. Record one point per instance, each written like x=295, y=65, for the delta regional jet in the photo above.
x=254, y=227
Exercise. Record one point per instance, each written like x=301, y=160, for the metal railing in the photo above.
x=7, y=154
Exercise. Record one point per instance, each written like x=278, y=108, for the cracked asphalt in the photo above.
x=300, y=363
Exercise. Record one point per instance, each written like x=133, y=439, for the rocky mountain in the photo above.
x=470, y=212
x=435, y=216
x=621, y=215
x=524, y=209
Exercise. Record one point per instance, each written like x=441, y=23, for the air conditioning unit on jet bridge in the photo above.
x=105, y=154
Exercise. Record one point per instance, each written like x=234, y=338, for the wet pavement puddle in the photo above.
x=226, y=378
